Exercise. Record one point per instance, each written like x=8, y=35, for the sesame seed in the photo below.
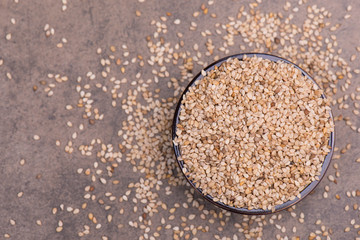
x=22, y=162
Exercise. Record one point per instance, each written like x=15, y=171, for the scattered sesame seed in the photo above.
x=22, y=162
x=140, y=142
x=8, y=75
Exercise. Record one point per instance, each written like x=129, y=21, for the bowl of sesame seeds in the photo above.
x=253, y=133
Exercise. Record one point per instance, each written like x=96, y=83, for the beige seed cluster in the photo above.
x=254, y=133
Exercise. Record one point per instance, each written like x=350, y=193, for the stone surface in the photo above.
x=49, y=176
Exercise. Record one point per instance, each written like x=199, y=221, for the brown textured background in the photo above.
x=88, y=24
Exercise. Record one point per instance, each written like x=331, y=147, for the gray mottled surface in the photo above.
x=49, y=177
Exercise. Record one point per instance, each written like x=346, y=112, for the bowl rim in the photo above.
x=308, y=189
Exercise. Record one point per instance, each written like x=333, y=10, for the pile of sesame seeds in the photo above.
x=152, y=201
x=253, y=133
